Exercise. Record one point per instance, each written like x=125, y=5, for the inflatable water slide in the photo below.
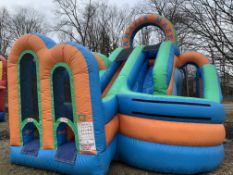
x=74, y=111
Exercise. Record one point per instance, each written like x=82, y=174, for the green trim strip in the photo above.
x=71, y=125
x=30, y=120
x=160, y=69
x=211, y=83
x=101, y=72
x=23, y=123
x=56, y=123
x=111, y=58
x=115, y=53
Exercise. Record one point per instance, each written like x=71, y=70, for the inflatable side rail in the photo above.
x=169, y=60
x=186, y=110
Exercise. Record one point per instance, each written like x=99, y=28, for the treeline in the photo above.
x=14, y=25
x=202, y=25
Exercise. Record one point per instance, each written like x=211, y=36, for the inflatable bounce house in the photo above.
x=74, y=111
x=3, y=83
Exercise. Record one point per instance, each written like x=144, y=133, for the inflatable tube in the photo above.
x=173, y=133
x=163, y=68
x=100, y=61
x=171, y=109
x=111, y=129
x=169, y=158
x=125, y=78
x=191, y=57
x=211, y=89
x=114, y=77
x=208, y=75
x=110, y=107
x=147, y=20
x=108, y=74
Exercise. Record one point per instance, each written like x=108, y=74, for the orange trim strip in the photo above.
x=174, y=133
x=99, y=61
x=111, y=129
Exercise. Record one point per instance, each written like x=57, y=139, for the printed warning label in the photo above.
x=86, y=136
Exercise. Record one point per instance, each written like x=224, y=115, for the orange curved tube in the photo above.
x=173, y=133
x=149, y=19
x=193, y=57
x=99, y=61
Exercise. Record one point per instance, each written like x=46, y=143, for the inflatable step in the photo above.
x=66, y=153
x=31, y=148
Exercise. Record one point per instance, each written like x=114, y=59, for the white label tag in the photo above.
x=64, y=120
x=86, y=136
x=30, y=120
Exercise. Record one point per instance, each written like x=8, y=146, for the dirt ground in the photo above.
x=116, y=168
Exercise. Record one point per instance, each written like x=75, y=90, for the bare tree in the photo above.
x=171, y=9
x=212, y=22
x=97, y=25
x=202, y=25
x=75, y=19
x=110, y=23
x=4, y=32
x=25, y=21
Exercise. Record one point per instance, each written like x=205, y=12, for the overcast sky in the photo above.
x=47, y=7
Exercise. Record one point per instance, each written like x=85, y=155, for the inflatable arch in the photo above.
x=73, y=111
x=155, y=20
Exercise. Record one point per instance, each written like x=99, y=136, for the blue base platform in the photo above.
x=168, y=158
x=84, y=163
x=141, y=154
